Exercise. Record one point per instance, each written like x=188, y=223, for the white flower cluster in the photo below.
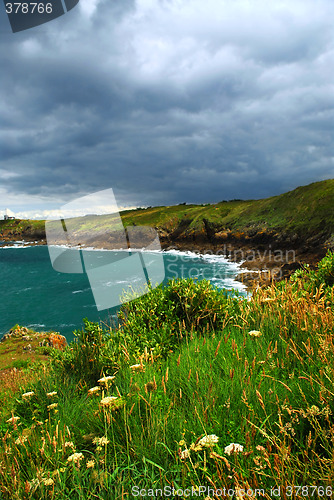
x=207, y=441
x=255, y=333
x=108, y=401
x=233, y=448
x=105, y=380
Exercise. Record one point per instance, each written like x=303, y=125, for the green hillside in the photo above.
x=305, y=210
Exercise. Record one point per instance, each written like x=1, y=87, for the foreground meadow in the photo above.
x=210, y=394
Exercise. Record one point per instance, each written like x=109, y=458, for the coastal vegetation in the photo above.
x=306, y=211
x=194, y=388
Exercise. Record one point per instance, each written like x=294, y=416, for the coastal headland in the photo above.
x=271, y=237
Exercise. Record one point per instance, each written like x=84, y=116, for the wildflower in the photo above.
x=21, y=440
x=50, y=394
x=13, y=420
x=69, y=444
x=48, y=482
x=28, y=394
x=103, y=441
x=182, y=442
x=195, y=447
x=93, y=390
x=62, y=469
x=184, y=454
x=208, y=440
x=255, y=333
x=76, y=457
x=52, y=406
x=104, y=380
x=260, y=448
x=314, y=410
x=233, y=448
x=137, y=368
x=90, y=464
x=108, y=401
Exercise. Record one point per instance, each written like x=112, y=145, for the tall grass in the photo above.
x=195, y=370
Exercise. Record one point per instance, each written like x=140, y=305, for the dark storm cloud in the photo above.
x=169, y=101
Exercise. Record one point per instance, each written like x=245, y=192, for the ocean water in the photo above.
x=33, y=294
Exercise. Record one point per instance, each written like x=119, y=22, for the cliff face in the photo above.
x=266, y=253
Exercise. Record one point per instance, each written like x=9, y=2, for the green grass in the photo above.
x=18, y=226
x=13, y=353
x=255, y=372
x=305, y=211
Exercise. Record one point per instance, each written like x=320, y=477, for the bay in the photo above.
x=33, y=294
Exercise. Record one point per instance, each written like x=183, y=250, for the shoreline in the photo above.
x=258, y=263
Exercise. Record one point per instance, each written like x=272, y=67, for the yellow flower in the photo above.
x=50, y=394
x=182, y=442
x=48, y=482
x=103, y=441
x=90, y=464
x=195, y=447
x=76, y=457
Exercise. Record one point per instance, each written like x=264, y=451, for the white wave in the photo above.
x=15, y=245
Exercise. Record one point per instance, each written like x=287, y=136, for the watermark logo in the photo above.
x=87, y=236
x=29, y=14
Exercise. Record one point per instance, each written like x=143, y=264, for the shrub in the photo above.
x=88, y=356
x=325, y=271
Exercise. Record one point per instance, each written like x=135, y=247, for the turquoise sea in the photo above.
x=33, y=294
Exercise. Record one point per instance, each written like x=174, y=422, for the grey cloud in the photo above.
x=169, y=102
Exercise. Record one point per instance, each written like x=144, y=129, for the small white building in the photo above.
x=8, y=214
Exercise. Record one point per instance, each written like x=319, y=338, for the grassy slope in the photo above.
x=306, y=210
x=18, y=226
x=258, y=373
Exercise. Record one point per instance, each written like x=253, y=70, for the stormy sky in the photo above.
x=166, y=101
